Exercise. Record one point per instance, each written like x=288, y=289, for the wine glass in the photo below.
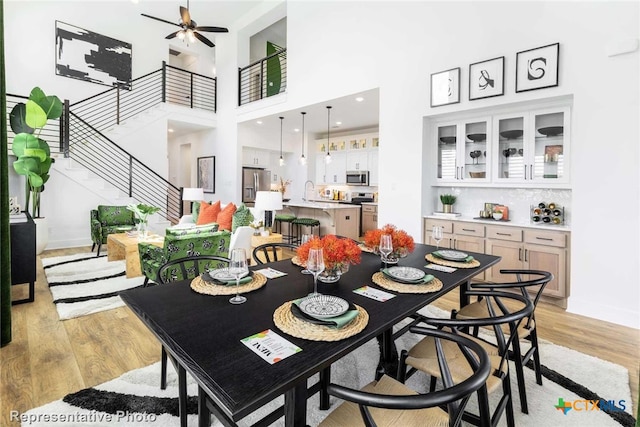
x=238, y=268
x=385, y=248
x=305, y=239
x=436, y=233
x=315, y=264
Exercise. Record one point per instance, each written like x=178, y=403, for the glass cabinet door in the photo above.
x=511, y=149
x=549, y=146
x=447, y=155
x=475, y=150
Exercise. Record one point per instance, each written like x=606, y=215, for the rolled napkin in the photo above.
x=437, y=254
x=337, y=322
x=426, y=279
x=208, y=279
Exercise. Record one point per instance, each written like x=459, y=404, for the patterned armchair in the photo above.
x=181, y=246
x=107, y=220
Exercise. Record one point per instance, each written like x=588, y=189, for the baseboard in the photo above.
x=599, y=311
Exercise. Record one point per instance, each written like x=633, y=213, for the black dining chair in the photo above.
x=531, y=288
x=175, y=270
x=505, y=308
x=388, y=402
x=269, y=252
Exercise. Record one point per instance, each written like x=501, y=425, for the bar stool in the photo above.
x=305, y=222
x=277, y=226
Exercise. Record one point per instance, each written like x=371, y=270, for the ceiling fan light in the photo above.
x=180, y=35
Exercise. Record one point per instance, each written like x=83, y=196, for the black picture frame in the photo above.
x=486, y=78
x=445, y=87
x=84, y=55
x=538, y=68
x=206, y=178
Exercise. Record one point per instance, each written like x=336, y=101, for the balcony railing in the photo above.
x=265, y=77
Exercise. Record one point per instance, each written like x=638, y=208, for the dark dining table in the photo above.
x=203, y=334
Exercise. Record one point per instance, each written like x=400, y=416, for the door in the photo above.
x=511, y=253
x=551, y=259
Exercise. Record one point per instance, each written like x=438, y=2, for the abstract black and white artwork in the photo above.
x=445, y=87
x=486, y=78
x=92, y=57
x=538, y=68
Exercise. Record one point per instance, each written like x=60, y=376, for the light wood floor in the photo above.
x=49, y=358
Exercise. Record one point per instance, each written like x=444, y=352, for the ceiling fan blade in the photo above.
x=203, y=39
x=159, y=19
x=212, y=29
x=184, y=14
x=172, y=35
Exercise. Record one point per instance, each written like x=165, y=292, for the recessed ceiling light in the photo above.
x=359, y=99
x=296, y=130
x=170, y=130
x=338, y=123
x=259, y=122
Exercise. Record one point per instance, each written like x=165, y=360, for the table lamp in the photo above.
x=192, y=195
x=268, y=201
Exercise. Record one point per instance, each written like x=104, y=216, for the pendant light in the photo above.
x=303, y=160
x=327, y=158
x=281, y=158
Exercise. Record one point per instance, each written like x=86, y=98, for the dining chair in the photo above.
x=269, y=252
x=175, y=270
x=388, y=402
x=532, y=289
x=505, y=308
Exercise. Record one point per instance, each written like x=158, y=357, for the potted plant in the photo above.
x=33, y=153
x=142, y=212
x=447, y=202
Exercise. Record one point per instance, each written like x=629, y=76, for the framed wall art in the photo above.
x=538, y=68
x=207, y=174
x=445, y=87
x=85, y=55
x=486, y=78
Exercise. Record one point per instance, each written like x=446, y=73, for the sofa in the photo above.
x=107, y=220
x=198, y=242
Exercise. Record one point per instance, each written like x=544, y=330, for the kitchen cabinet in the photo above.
x=348, y=153
x=526, y=147
x=369, y=217
x=372, y=164
x=255, y=157
x=529, y=248
x=357, y=160
x=336, y=171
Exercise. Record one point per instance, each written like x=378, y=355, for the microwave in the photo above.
x=357, y=177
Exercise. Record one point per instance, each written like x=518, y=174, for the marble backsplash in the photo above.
x=470, y=201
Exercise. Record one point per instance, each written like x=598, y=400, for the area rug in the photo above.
x=84, y=284
x=135, y=397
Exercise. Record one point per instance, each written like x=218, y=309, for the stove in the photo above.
x=358, y=199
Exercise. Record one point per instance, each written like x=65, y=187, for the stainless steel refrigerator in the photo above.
x=254, y=180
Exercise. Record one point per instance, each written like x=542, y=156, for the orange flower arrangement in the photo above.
x=337, y=251
x=401, y=241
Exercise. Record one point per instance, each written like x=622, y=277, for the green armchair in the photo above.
x=180, y=246
x=108, y=220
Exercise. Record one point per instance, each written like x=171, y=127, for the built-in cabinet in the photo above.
x=520, y=248
x=369, y=217
x=255, y=157
x=348, y=153
x=529, y=147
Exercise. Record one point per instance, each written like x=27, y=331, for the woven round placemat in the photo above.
x=473, y=264
x=289, y=324
x=296, y=261
x=404, y=288
x=202, y=287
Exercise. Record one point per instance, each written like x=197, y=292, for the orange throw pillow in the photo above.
x=208, y=213
x=225, y=218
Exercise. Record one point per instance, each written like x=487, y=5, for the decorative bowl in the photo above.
x=497, y=216
x=477, y=137
x=478, y=174
x=448, y=139
x=511, y=134
x=551, y=130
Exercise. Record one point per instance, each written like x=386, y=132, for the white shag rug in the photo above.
x=135, y=398
x=83, y=284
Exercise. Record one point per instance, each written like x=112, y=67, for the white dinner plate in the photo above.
x=222, y=275
x=452, y=255
x=405, y=273
x=323, y=306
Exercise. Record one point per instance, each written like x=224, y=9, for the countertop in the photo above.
x=370, y=203
x=319, y=205
x=489, y=221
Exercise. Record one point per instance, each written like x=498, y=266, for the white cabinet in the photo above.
x=357, y=160
x=348, y=153
x=321, y=170
x=372, y=164
x=336, y=171
x=524, y=148
x=255, y=157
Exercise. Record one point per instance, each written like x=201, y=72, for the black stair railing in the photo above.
x=263, y=78
x=91, y=149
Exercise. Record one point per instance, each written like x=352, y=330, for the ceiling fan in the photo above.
x=189, y=28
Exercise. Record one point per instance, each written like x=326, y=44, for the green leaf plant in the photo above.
x=32, y=152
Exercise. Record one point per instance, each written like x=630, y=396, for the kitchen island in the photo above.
x=335, y=218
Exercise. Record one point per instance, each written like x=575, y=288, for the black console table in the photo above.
x=23, y=256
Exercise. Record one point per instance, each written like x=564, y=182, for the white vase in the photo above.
x=42, y=234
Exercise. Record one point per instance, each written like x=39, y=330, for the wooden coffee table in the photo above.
x=120, y=246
